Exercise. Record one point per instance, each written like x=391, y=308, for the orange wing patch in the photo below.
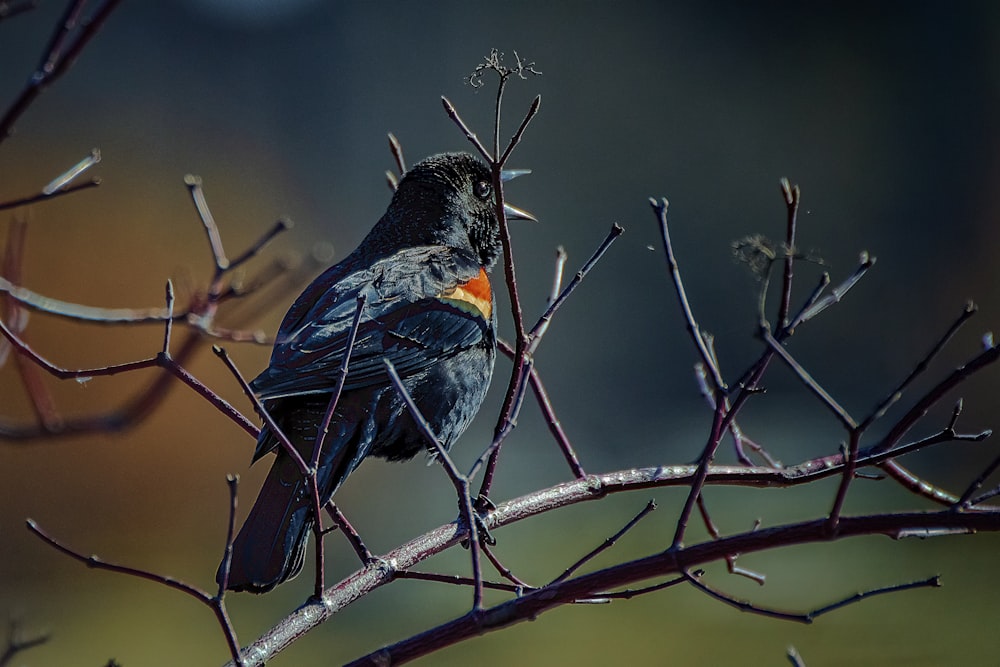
x=475, y=296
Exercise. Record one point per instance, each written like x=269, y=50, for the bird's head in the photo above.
x=448, y=199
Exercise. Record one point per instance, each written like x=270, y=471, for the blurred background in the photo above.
x=886, y=114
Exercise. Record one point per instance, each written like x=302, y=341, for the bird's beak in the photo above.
x=513, y=212
x=511, y=174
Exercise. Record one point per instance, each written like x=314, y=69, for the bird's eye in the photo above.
x=482, y=189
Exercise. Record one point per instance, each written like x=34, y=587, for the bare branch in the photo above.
x=897, y=393
x=213, y=603
x=660, y=208
x=449, y=109
x=534, y=603
x=592, y=585
x=60, y=55
x=791, y=195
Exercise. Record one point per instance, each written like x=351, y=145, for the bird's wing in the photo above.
x=421, y=304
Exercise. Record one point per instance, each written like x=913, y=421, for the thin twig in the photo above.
x=65, y=25
x=791, y=194
x=967, y=312
x=867, y=262
x=965, y=501
x=915, y=484
x=714, y=533
x=515, y=387
x=169, y=320
x=320, y=441
x=353, y=538
x=32, y=199
x=489, y=456
x=11, y=9
x=282, y=225
x=808, y=617
x=606, y=544
x=233, y=482
x=455, y=580
x=341, y=379
x=930, y=582
x=992, y=493
x=824, y=282
x=460, y=482
x=45, y=304
x=214, y=603
x=629, y=593
x=194, y=185
x=735, y=430
x=542, y=325
x=64, y=179
x=15, y=643
x=265, y=414
x=548, y=413
x=936, y=393
x=804, y=376
x=503, y=570
x=56, y=61
x=793, y=657
x=516, y=138
x=42, y=402
x=557, y=276
x=449, y=109
x=846, y=479
x=690, y=324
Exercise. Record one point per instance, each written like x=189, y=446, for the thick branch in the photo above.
x=595, y=487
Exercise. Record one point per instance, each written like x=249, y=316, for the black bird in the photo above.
x=429, y=310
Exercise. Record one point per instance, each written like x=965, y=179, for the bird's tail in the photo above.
x=271, y=545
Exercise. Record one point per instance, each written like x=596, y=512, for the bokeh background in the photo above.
x=886, y=114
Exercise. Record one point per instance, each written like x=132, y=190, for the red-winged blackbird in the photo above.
x=429, y=310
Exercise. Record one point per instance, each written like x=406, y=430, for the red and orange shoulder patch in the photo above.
x=474, y=296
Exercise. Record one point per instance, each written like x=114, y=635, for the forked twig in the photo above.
x=808, y=617
x=199, y=316
x=215, y=603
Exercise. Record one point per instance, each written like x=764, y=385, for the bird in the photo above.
x=428, y=308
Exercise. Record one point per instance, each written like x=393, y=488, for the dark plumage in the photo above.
x=429, y=310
